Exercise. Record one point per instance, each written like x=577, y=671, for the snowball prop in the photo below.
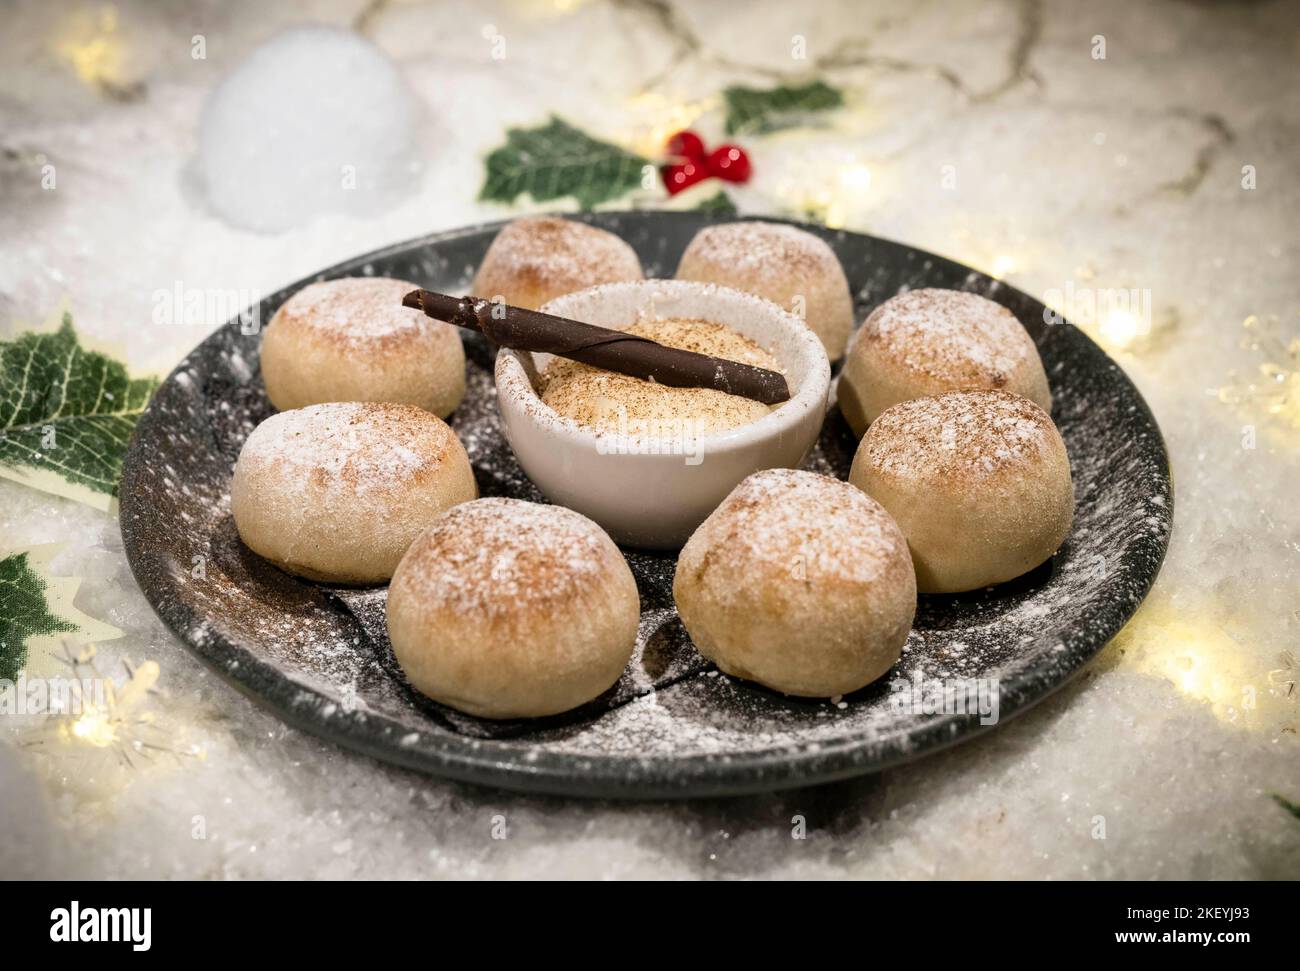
x=316, y=120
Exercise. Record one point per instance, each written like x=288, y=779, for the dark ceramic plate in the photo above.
x=673, y=726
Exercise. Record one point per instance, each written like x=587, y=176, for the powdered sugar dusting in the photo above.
x=967, y=434
x=496, y=556
x=782, y=263
x=819, y=528
x=952, y=335
x=551, y=255
x=361, y=444
x=355, y=310
x=766, y=248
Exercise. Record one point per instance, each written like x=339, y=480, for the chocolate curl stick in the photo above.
x=613, y=350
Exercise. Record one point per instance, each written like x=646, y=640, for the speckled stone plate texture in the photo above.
x=673, y=725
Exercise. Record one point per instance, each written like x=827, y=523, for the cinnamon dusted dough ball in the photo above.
x=800, y=582
x=352, y=340
x=337, y=492
x=539, y=258
x=926, y=342
x=979, y=482
x=782, y=263
x=512, y=609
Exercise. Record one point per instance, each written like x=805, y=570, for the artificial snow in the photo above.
x=316, y=120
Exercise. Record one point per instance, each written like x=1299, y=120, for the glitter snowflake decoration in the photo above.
x=91, y=711
x=1273, y=388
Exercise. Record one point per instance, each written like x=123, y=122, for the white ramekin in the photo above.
x=657, y=500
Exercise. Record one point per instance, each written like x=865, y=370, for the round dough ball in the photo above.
x=352, y=340
x=800, y=582
x=781, y=263
x=337, y=492
x=537, y=259
x=512, y=609
x=926, y=342
x=979, y=481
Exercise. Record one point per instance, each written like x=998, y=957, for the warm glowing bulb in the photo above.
x=1199, y=659
x=1184, y=669
x=856, y=178
x=1119, y=328
x=835, y=213
x=95, y=728
x=1002, y=265
x=94, y=49
x=656, y=117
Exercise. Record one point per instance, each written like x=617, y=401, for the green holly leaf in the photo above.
x=756, y=111
x=36, y=610
x=66, y=414
x=556, y=161
x=24, y=614
x=1287, y=804
x=718, y=204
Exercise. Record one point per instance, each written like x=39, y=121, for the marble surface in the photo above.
x=987, y=132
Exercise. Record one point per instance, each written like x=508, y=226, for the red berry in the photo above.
x=682, y=176
x=686, y=146
x=730, y=162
